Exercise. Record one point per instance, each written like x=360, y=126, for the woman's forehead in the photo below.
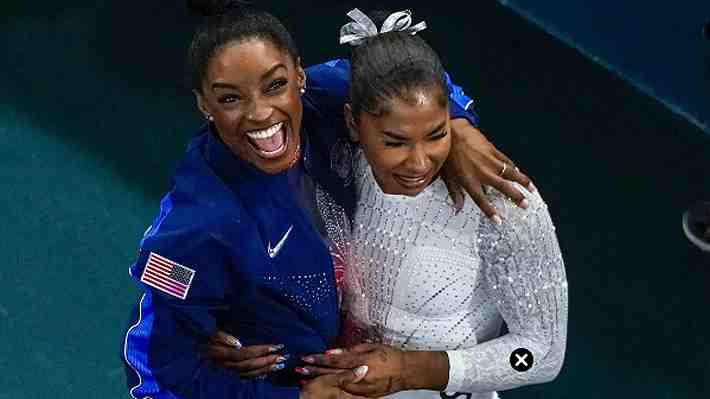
x=415, y=114
x=420, y=97
x=250, y=58
x=413, y=102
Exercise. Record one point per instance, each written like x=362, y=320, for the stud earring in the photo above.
x=210, y=118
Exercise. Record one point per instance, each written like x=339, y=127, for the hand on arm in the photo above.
x=390, y=370
x=258, y=360
x=332, y=386
x=474, y=161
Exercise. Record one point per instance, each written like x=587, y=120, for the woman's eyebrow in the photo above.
x=220, y=85
x=272, y=70
x=437, y=129
x=396, y=136
x=266, y=75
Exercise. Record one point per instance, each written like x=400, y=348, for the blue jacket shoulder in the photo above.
x=328, y=84
x=199, y=210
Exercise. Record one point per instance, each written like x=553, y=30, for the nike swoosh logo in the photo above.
x=275, y=250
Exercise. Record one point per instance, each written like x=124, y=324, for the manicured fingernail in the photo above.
x=276, y=348
x=282, y=358
x=532, y=188
x=234, y=342
x=497, y=220
x=279, y=366
x=524, y=204
x=308, y=359
x=360, y=371
x=458, y=207
x=334, y=352
x=303, y=382
x=302, y=370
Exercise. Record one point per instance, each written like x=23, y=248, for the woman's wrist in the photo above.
x=460, y=122
x=425, y=370
x=462, y=130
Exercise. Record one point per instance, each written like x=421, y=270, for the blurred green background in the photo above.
x=94, y=115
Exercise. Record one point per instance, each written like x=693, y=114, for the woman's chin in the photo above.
x=399, y=190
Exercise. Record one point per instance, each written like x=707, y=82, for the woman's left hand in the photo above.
x=385, y=368
x=475, y=162
x=249, y=361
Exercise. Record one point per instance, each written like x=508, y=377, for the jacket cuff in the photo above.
x=457, y=372
x=469, y=113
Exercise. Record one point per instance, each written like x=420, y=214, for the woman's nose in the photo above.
x=259, y=111
x=418, y=161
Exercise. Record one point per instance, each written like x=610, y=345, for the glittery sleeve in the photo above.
x=524, y=274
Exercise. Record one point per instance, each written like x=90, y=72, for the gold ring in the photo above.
x=502, y=171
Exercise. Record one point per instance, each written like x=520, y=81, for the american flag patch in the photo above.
x=167, y=276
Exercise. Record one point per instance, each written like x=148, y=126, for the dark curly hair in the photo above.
x=227, y=21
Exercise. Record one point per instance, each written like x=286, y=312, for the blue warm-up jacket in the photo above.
x=232, y=249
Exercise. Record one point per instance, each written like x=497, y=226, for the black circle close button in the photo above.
x=521, y=360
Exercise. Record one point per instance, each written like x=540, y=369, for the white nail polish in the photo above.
x=361, y=371
x=234, y=342
x=497, y=220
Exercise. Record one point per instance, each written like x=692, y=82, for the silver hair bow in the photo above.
x=356, y=32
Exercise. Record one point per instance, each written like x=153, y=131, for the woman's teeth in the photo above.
x=412, y=182
x=266, y=133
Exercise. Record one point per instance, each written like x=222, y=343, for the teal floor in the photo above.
x=94, y=115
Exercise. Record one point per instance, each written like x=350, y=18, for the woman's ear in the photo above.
x=350, y=122
x=202, y=105
x=301, y=75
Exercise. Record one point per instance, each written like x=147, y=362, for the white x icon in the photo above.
x=521, y=360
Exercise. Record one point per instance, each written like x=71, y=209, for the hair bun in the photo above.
x=378, y=16
x=209, y=8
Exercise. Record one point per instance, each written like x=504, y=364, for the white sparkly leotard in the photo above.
x=423, y=278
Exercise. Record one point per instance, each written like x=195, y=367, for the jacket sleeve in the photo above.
x=329, y=85
x=460, y=105
x=186, y=286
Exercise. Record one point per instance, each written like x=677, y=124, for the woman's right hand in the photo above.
x=330, y=386
x=249, y=361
